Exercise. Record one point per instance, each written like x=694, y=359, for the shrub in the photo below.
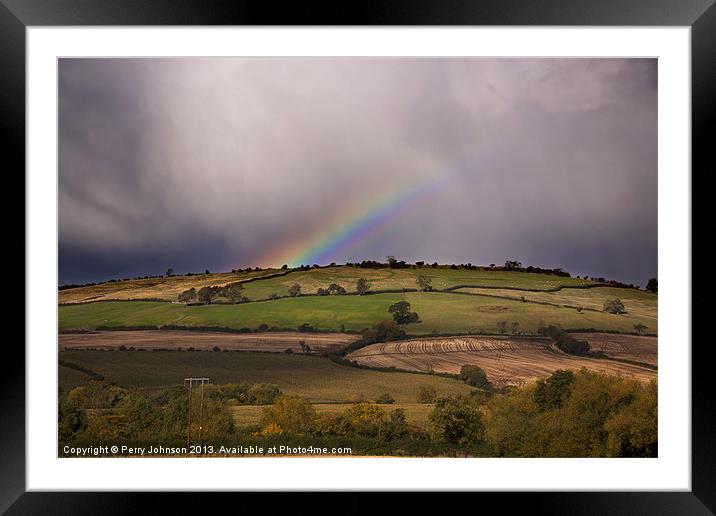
x=263, y=393
x=474, y=376
x=426, y=394
x=294, y=290
x=385, y=399
x=384, y=331
x=564, y=341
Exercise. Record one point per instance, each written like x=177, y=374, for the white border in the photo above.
x=670, y=471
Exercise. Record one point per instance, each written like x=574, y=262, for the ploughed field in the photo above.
x=505, y=360
x=637, y=348
x=201, y=340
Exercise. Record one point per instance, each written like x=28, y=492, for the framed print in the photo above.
x=419, y=253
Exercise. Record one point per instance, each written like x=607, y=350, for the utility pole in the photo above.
x=191, y=381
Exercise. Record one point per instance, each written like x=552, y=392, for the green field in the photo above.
x=639, y=304
x=313, y=377
x=439, y=312
x=168, y=288
x=418, y=413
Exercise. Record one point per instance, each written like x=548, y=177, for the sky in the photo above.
x=228, y=163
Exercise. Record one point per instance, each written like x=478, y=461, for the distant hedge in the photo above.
x=565, y=341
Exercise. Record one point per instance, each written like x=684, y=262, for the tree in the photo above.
x=402, y=314
x=424, y=283
x=362, y=286
x=335, y=289
x=292, y=414
x=474, y=376
x=71, y=420
x=206, y=295
x=234, y=292
x=640, y=328
x=502, y=326
x=457, y=420
x=614, y=306
x=652, y=285
x=294, y=290
x=170, y=272
x=284, y=267
x=554, y=391
x=188, y=296
x=426, y=394
x=512, y=265
x=322, y=292
x=515, y=328
x=392, y=261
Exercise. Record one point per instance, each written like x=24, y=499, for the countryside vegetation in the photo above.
x=388, y=358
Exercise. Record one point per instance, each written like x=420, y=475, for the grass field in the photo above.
x=637, y=303
x=418, y=413
x=439, y=312
x=168, y=288
x=316, y=378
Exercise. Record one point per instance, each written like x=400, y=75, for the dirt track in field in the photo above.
x=171, y=339
x=506, y=360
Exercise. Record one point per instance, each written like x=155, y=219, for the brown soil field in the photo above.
x=639, y=348
x=170, y=339
x=506, y=360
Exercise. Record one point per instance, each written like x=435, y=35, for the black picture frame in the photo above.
x=17, y=15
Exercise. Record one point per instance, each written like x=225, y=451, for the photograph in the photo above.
x=344, y=257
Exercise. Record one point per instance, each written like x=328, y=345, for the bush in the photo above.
x=385, y=399
x=614, y=306
x=474, y=376
x=263, y=393
x=293, y=414
x=457, y=420
x=564, y=341
x=426, y=394
x=384, y=331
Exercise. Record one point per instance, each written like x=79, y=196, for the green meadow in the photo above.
x=439, y=312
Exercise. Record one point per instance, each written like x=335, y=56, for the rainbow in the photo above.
x=359, y=223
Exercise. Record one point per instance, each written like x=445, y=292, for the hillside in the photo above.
x=461, y=301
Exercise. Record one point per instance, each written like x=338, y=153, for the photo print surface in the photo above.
x=433, y=257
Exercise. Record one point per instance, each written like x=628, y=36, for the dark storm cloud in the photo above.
x=212, y=163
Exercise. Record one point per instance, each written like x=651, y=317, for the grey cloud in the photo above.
x=196, y=163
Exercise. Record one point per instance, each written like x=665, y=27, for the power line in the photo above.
x=190, y=382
